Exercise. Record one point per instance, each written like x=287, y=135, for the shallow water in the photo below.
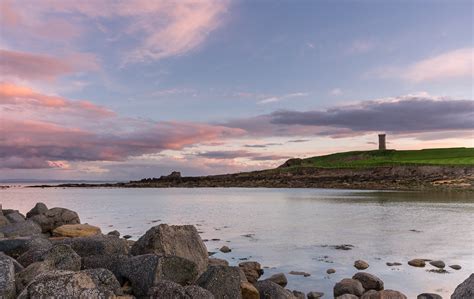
x=288, y=229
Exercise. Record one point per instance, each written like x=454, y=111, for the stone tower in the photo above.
x=382, y=145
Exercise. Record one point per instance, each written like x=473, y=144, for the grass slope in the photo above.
x=436, y=156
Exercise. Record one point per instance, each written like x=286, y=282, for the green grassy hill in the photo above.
x=436, y=156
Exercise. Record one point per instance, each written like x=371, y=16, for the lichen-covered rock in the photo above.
x=15, y=247
x=63, y=257
x=465, y=289
x=15, y=217
x=21, y=229
x=279, y=279
x=168, y=289
x=271, y=290
x=221, y=281
x=54, y=218
x=369, y=281
x=249, y=291
x=348, y=286
x=384, y=294
x=96, y=245
x=7, y=278
x=35, y=253
x=94, y=283
x=175, y=240
x=23, y=278
x=252, y=270
x=39, y=209
x=76, y=230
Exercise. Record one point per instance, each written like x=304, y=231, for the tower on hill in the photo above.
x=382, y=145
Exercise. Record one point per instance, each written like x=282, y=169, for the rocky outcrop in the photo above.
x=177, y=240
x=54, y=218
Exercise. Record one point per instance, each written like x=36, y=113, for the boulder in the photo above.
x=15, y=247
x=172, y=290
x=4, y=221
x=315, y=295
x=331, y=271
x=54, y=218
x=76, y=230
x=299, y=295
x=438, y=264
x=455, y=267
x=384, y=294
x=15, y=217
x=305, y=274
x=96, y=245
x=361, y=265
x=21, y=229
x=225, y=249
x=369, y=281
x=417, y=263
x=35, y=253
x=248, y=290
x=217, y=262
x=18, y=267
x=252, y=270
x=114, y=233
x=429, y=296
x=279, y=279
x=177, y=240
x=347, y=296
x=221, y=281
x=7, y=278
x=144, y=271
x=63, y=257
x=39, y=209
x=23, y=278
x=465, y=289
x=271, y=290
x=94, y=283
x=348, y=286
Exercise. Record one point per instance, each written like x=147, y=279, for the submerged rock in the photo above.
x=178, y=240
x=455, y=267
x=305, y=274
x=417, y=263
x=348, y=286
x=465, y=289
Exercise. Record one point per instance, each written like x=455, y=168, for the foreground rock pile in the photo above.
x=49, y=254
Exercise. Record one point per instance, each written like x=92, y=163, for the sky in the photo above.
x=122, y=90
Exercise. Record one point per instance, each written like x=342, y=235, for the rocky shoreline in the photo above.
x=409, y=178
x=49, y=253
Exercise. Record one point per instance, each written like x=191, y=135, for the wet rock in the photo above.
x=305, y=274
x=96, y=245
x=465, y=289
x=315, y=295
x=178, y=240
x=249, y=291
x=369, y=281
x=429, y=296
x=393, y=264
x=21, y=229
x=218, y=262
x=39, y=209
x=15, y=247
x=252, y=270
x=279, y=279
x=330, y=271
x=384, y=294
x=94, y=283
x=361, y=265
x=438, y=264
x=15, y=217
x=7, y=278
x=455, y=267
x=54, y=218
x=76, y=230
x=221, y=281
x=348, y=286
x=417, y=263
x=114, y=233
x=225, y=249
x=271, y=290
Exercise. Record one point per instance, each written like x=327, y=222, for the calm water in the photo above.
x=290, y=228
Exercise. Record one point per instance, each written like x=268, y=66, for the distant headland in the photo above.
x=383, y=169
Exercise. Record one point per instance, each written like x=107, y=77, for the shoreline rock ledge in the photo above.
x=49, y=254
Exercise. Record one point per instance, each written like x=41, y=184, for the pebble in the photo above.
x=438, y=264
x=455, y=267
x=225, y=249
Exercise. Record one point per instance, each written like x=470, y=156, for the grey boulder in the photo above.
x=96, y=245
x=15, y=217
x=7, y=278
x=39, y=209
x=172, y=290
x=465, y=289
x=369, y=281
x=279, y=279
x=271, y=290
x=15, y=247
x=252, y=270
x=389, y=294
x=21, y=229
x=177, y=240
x=221, y=281
x=348, y=286
x=54, y=218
